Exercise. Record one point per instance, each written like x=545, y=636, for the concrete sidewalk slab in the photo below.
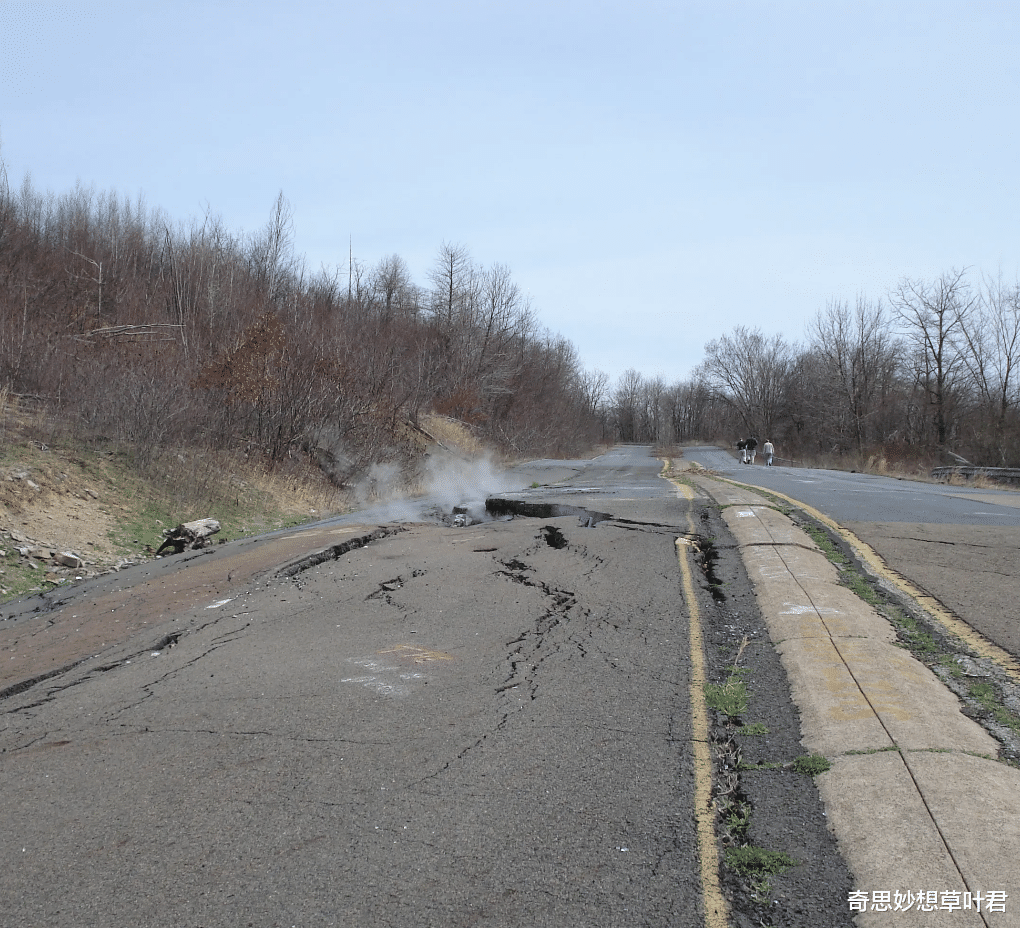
x=800, y=591
x=914, y=706
x=836, y=717
x=992, y=810
x=891, y=842
x=923, y=812
x=862, y=695
x=763, y=525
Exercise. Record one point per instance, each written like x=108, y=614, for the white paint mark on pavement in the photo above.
x=798, y=609
x=385, y=679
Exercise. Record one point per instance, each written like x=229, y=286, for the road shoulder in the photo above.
x=900, y=749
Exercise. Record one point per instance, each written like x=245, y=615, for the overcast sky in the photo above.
x=653, y=173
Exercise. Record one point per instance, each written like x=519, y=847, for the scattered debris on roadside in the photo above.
x=193, y=535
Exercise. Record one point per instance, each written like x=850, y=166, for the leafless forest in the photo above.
x=126, y=327
x=928, y=374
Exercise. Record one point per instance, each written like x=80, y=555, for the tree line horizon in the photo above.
x=127, y=327
x=928, y=374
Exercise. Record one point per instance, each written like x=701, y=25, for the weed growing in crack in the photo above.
x=987, y=697
x=759, y=865
x=951, y=665
x=821, y=538
x=738, y=818
x=757, y=728
x=729, y=697
x=811, y=764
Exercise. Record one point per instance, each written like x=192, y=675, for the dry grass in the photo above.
x=977, y=482
x=453, y=435
x=194, y=481
x=879, y=461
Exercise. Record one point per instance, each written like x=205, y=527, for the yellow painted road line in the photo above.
x=928, y=603
x=716, y=912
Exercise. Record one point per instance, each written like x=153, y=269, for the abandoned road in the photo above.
x=411, y=725
x=441, y=726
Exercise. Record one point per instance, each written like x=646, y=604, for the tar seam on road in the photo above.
x=716, y=915
x=953, y=625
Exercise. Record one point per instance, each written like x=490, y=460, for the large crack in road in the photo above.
x=428, y=724
x=503, y=730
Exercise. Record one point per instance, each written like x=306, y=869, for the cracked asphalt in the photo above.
x=427, y=725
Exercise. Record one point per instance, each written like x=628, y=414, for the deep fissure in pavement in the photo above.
x=706, y=557
x=553, y=537
x=498, y=507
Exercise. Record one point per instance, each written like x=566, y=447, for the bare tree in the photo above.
x=272, y=249
x=933, y=314
x=858, y=354
x=689, y=402
x=454, y=281
x=991, y=340
x=594, y=387
x=392, y=281
x=749, y=372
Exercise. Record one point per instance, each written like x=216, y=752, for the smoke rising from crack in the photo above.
x=445, y=482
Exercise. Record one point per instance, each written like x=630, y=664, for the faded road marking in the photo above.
x=384, y=679
x=796, y=609
x=417, y=655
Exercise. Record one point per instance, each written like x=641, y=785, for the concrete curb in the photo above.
x=920, y=807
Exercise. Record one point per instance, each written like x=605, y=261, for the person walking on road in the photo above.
x=752, y=449
x=742, y=448
x=768, y=450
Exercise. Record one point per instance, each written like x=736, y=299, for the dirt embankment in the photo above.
x=66, y=514
x=55, y=521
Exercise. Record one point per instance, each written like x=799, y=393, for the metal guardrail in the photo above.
x=1002, y=474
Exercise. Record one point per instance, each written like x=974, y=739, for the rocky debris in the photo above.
x=192, y=535
x=60, y=566
x=457, y=516
x=42, y=551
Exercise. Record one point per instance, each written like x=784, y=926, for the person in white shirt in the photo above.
x=768, y=450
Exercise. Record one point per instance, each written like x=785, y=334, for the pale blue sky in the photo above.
x=653, y=173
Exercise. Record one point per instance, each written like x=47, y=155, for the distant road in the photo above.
x=960, y=545
x=849, y=497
